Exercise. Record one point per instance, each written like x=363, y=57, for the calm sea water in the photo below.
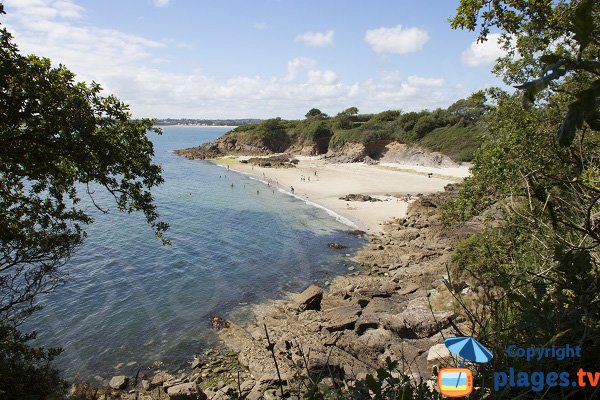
x=129, y=301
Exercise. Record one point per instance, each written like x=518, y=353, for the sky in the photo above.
x=259, y=58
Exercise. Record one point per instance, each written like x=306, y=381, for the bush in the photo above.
x=25, y=371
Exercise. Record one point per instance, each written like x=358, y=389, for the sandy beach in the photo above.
x=323, y=183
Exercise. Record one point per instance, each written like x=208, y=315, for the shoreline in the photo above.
x=392, y=187
x=402, y=277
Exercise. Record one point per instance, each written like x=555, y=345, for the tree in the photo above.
x=348, y=112
x=536, y=182
x=59, y=141
x=547, y=41
x=315, y=112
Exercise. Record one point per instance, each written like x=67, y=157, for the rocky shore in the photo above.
x=396, y=307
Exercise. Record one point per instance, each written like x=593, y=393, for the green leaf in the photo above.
x=583, y=23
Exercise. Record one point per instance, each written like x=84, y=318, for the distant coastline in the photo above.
x=195, y=126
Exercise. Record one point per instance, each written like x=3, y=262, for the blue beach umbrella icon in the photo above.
x=469, y=349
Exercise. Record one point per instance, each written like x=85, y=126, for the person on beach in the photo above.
x=257, y=192
x=292, y=189
x=315, y=173
x=232, y=185
x=228, y=168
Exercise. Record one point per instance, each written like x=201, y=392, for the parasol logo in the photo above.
x=458, y=382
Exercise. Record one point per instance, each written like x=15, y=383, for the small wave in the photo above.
x=338, y=217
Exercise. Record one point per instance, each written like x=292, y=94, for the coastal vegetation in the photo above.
x=454, y=131
x=60, y=141
x=536, y=181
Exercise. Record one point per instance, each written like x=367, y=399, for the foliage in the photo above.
x=315, y=112
x=433, y=120
x=26, y=372
x=546, y=41
x=456, y=141
x=536, y=183
x=59, y=140
x=459, y=140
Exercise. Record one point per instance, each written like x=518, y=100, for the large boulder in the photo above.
x=310, y=299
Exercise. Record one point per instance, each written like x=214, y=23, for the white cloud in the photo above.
x=483, y=54
x=296, y=65
x=327, y=77
x=133, y=68
x=44, y=9
x=396, y=40
x=260, y=25
x=161, y=3
x=316, y=39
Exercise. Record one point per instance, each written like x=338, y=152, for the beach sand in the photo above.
x=389, y=183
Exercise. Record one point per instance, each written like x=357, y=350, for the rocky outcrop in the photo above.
x=359, y=197
x=227, y=145
x=386, y=151
x=278, y=161
x=391, y=309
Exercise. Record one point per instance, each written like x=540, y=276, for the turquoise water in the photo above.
x=129, y=301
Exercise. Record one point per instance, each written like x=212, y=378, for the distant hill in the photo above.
x=349, y=136
x=206, y=122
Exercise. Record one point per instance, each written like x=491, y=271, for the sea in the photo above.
x=129, y=302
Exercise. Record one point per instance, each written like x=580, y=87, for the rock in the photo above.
x=376, y=339
x=439, y=356
x=408, y=290
x=161, y=377
x=271, y=394
x=336, y=246
x=196, y=363
x=417, y=321
x=356, y=232
x=359, y=197
x=371, y=292
x=146, y=384
x=246, y=386
x=118, y=382
x=310, y=299
x=186, y=391
x=219, y=323
x=341, y=317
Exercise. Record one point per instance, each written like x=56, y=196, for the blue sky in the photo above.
x=259, y=58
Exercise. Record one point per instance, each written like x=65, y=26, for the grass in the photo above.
x=457, y=142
